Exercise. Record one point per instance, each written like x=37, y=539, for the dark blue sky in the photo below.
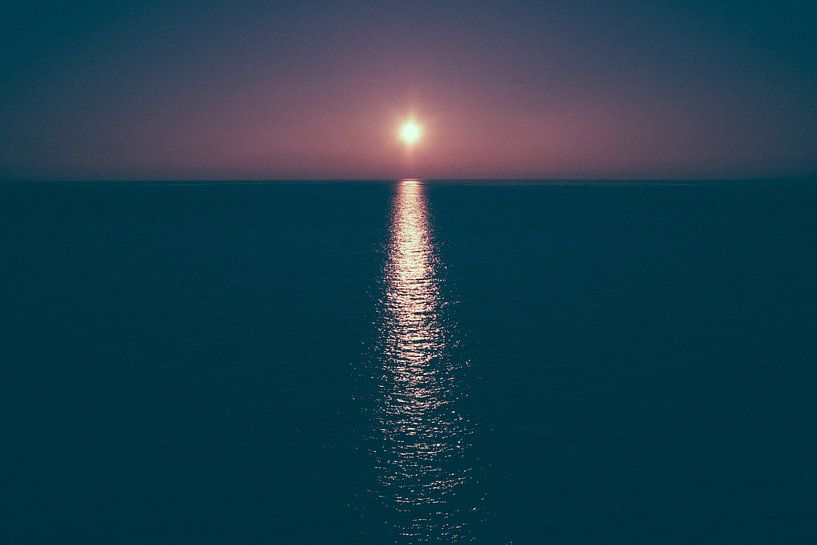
x=317, y=89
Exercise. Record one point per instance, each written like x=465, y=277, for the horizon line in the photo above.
x=423, y=179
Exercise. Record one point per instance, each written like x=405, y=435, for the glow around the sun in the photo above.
x=410, y=132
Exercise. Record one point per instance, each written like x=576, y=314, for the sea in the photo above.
x=409, y=362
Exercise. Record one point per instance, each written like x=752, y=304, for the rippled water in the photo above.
x=409, y=362
x=422, y=436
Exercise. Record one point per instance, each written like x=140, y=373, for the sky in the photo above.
x=503, y=89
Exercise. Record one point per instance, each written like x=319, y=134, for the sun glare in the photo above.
x=410, y=132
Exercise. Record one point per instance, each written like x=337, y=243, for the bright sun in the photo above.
x=410, y=132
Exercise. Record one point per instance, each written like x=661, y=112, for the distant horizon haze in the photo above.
x=317, y=90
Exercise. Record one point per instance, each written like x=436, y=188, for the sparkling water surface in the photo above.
x=409, y=362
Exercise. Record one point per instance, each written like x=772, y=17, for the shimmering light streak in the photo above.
x=423, y=438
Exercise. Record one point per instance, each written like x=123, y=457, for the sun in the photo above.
x=410, y=132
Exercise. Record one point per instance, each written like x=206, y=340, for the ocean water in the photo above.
x=409, y=362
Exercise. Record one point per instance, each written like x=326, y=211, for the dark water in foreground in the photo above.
x=380, y=363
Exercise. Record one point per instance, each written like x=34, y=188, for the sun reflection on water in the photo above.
x=422, y=436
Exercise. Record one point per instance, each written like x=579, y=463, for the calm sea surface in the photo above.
x=409, y=362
